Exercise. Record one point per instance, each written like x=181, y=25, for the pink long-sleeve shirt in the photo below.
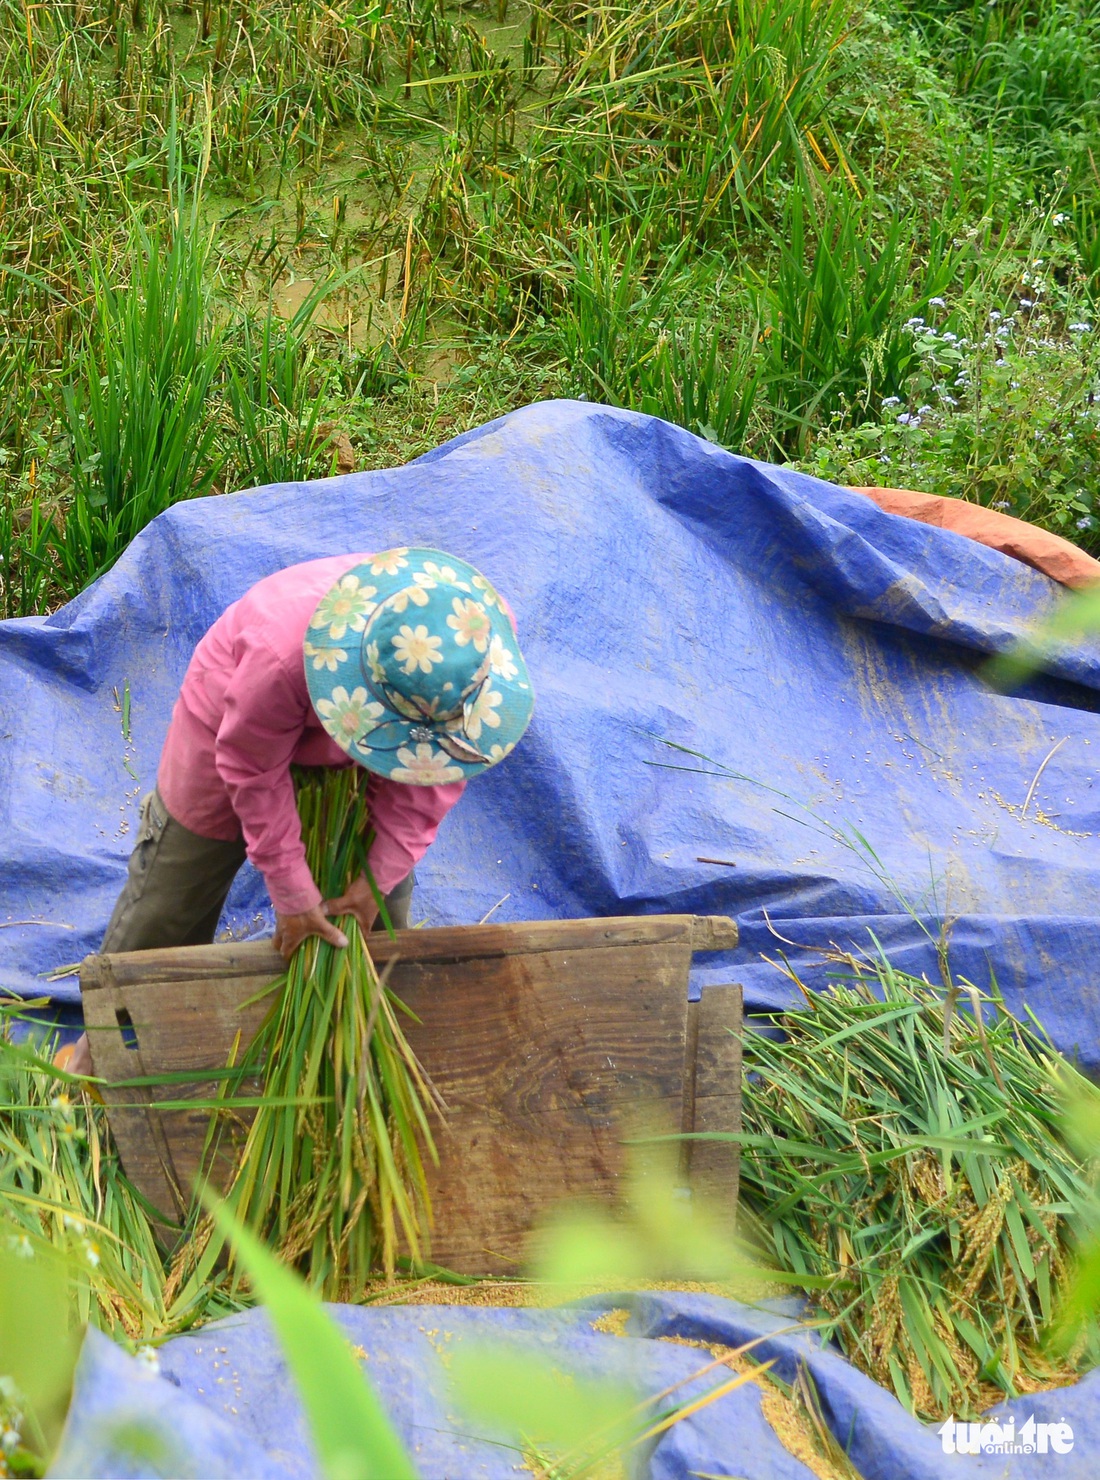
x=244, y=716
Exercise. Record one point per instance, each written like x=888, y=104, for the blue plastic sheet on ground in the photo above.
x=223, y=1404
x=824, y=652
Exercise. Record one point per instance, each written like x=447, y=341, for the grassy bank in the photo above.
x=232, y=232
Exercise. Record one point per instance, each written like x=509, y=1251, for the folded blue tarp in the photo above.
x=824, y=652
x=224, y=1408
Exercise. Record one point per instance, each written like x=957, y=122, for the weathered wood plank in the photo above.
x=448, y=943
x=543, y=1061
x=716, y=1165
x=713, y=933
x=546, y=1041
x=148, y=1151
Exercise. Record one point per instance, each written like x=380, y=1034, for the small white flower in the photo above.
x=348, y=604
x=347, y=715
x=1003, y=505
x=446, y=574
x=389, y=562
x=1085, y=523
x=1080, y=328
x=417, y=594
x=415, y=649
x=1027, y=303
x=948, y=337
x=425, y=766
x=91, y=1253
x=995, y=316
x=488, y=591
x=9, y=1439
x=377, y=672
x=1060, y=218
x=329, y=658
x=68, y=1221
x=500, y=660
x=470, y=623
x=937, y=303
x=23, y=1247
x=923, y=410
x=483, y=712
x=908, y=419
x=892, y=401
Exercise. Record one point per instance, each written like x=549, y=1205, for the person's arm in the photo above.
x=262, y=723
x=405, y=820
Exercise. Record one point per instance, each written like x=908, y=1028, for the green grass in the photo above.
x=224, y=226
x=137, y=407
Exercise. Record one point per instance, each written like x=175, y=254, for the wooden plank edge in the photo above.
x=714, y=933
x=436, y=945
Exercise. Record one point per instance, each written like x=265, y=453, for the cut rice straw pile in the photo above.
x=60, y=1180
x=936, y=1186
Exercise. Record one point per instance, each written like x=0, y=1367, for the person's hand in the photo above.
x=292, y=930
x=358, y=901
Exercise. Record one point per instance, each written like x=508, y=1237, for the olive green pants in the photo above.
x=177, y=883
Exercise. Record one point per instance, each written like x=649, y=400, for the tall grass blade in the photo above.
x=352, y=1436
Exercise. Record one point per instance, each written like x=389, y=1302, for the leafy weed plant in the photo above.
x=1008, y=416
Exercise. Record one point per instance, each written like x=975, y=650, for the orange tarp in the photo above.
x=1051, y=554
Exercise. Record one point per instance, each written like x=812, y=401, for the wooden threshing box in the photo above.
x=548, y=1041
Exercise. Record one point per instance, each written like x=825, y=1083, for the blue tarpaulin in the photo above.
x=223, y=1404
x=826, y=655
x=826, y=652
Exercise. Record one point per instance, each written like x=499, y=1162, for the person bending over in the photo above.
x=405, y=663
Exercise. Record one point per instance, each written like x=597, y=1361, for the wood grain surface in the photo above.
x=452, y=942
x=548, y=1041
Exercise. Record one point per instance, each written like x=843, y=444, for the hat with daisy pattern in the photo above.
x=413, y=666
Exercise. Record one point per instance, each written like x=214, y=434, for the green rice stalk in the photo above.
x=332, y=1171
x=60, y=1180
x=935, y=1188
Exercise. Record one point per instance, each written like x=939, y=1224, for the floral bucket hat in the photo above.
x=413, y=666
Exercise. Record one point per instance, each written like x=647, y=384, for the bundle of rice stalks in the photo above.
x=920, y=1162
x=332, y=1171
x=60, y=1180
